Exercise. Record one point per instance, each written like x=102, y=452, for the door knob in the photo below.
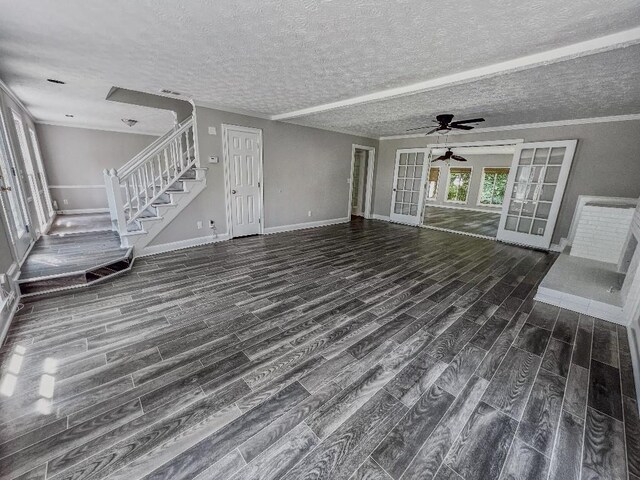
x=233, y=191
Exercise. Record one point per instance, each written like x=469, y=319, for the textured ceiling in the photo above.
x=270, y=56
x=598, y=85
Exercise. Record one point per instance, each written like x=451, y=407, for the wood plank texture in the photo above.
x=365, y=350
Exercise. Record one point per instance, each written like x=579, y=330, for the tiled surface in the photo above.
x=80, y=223
x=466, y=221
x=365, y=350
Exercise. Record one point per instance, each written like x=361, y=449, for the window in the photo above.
x=43, y=179
x=28, y=163
x=493, y=185
x=458, y=184
x=432, y=183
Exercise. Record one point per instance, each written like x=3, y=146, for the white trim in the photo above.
x=586, y=306
x=76, y=186
x=4, y=87
x=558, y=247
x=237, y=111
x=180, y=244
x=384, y=218
x=368, y=196
x=457, y=207
x=460, y=232
x=478, y=143
x=83, y=210
x=569, y=52
x=524, y=126
x=227, y=186
x=446, y=192
x=151, y=133
x=302, y=226
x=12, y=313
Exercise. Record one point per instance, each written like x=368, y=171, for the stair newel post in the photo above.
x=110, y=200
x=118, y=203
x=127, y=191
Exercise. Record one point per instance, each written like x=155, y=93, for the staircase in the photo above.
x=155, y=186
x=144, y=195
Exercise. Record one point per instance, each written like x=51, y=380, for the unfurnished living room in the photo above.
x=284, y=239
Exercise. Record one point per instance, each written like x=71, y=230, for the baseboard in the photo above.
x=179, y=245
x=384, y=218
x=302, y=226
x=586, y=306
x=558, y=247
x=12, y=312
x=83, y=210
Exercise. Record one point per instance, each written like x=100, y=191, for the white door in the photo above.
x=31, y=173
x=12, y=201
x=408, y=185
x=244, y=157
x=535, y=187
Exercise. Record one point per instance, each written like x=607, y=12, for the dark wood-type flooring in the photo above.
x=363, y=350
x=465, y=221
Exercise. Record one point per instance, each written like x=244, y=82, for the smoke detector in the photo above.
x=129, y=121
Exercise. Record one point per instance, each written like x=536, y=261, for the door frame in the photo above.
x=227, y=182
x=425, y=173
x=542, y=242
x=368, y=195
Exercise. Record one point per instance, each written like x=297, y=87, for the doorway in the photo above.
x=467, y=196
x=361, y=181
x=242, y=147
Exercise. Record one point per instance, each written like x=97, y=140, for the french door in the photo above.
x=244, y=173
x=12, y=201
x=535, y=187
x=408, y=185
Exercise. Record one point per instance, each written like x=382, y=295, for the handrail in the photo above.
x=132, y=189
x=154, y=147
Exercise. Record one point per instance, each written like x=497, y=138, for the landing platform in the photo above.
x=70, y=257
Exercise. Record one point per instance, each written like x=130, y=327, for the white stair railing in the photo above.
x=133, y=188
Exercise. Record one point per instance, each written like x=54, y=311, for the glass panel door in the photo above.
x=408, y=185
x=536, y=183
x=43, y=179
x=12, y=200
x=31, y=174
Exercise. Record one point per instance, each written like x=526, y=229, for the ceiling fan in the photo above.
x=449, y=155
x=445, y=124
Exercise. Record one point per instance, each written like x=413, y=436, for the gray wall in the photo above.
x=477, y=162
x=607, y=162
x=304, y=169
x=76, y=157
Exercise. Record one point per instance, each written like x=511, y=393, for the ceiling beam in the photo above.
x=580, y=49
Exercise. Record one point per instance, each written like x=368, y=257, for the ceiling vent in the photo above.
x=170, y=92
x=129, y=121
x=58, y=82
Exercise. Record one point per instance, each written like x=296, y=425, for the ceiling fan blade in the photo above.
x=461, y=127
x=432, y=131
x=458, y=158
x=420, y=128
x=471, y=120
x=441, y=157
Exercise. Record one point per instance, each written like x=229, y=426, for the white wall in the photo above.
x=607, y=162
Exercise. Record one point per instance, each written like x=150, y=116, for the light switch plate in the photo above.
x=213, y=131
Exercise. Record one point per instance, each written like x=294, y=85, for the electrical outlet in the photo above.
x=309, y=213
x=65, y=201
x=213, y=131
x=199, y=224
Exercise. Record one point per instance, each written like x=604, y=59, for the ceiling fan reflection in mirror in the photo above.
x=445, y=124
x=449, y=155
